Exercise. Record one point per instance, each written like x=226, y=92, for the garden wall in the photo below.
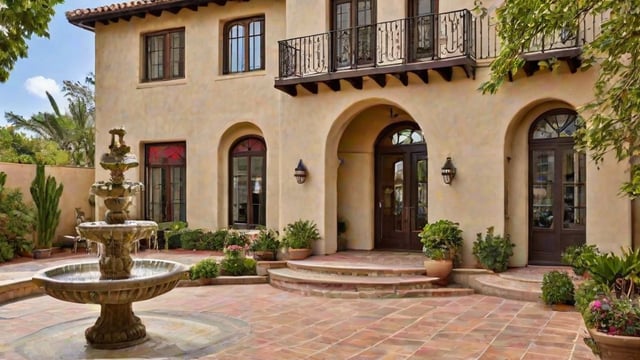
x=76, y=181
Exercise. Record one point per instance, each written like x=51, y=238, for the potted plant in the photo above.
x=299, y=237
x=46, y=195
x=557, y=288
x=613, y=317
x=204, y=270
x=441, y=243
x=265, y=245
x=493, y=251
x=578, y=257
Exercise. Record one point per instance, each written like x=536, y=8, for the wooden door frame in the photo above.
x=408, y=152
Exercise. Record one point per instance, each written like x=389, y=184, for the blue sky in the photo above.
x=68, y=54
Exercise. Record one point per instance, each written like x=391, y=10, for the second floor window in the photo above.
x=244, y=45
x=164, y=55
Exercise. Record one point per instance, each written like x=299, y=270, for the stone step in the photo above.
x=363, y=270
x=320, y=283
x=507, y=287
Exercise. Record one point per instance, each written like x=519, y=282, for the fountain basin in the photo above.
x=80, y=283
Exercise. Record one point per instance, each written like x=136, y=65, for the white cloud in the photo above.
x=39, y=85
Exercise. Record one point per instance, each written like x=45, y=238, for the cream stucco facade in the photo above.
x=335, y=132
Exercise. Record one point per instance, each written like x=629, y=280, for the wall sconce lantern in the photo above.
x=300, y=172
x=448, y=171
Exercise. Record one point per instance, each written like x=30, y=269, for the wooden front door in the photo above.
x=401, y=188
x=557, y=188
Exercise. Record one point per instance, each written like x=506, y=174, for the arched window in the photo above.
x=244, y=45
x=247, y=162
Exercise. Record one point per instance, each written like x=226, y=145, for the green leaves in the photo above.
x=19, y=20
x=46, y=194
x=493, y=251
x=612, y=118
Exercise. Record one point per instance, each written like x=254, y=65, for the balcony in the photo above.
x=420, y=46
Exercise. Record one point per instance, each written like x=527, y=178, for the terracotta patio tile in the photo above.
x=502, y=353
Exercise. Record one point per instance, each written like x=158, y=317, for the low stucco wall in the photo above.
x=76, y=181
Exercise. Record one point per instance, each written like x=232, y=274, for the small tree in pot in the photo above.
x=266, y=245
x=441, y=243
x=299, y=237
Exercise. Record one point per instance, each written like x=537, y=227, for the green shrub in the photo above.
x=586, y=292
x=17, y=219
x=249, y=266
x=618, y=273
x=267, y=240
x=233, y=262
x=173, y=241
x=300, y=234
x=236, y=238
x=204, y=269
x=442, y=240
x=579, y=257
x=557, y=288
x=213, y=240
x=6, y=251
x=190, y=239
x=493, y=251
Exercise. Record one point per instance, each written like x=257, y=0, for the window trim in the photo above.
x=166, y=58
x=245, y=22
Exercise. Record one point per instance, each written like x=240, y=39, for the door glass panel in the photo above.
x=343, y=35
x=257, y=193
x=422, y=29
x=239, y=190
x=154, y=183
x=574, y=209
x=365, y=31
x=398, y=193
x=543, y=179
x=421, y=203
x=178, y=210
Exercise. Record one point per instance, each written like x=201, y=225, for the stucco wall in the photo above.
x=199, y=109
x=485, y=135
x=76, y=182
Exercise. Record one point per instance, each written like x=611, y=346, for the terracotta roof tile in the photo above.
x=130, y=5
x=87, y=17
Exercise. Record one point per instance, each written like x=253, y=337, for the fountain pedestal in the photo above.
x=116, y=328
x=117, y=280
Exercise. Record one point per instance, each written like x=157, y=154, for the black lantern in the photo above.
x=300, y=172
x=448, y=171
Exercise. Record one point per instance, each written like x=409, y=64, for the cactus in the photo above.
x=46, y=196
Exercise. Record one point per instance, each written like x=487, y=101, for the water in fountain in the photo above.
x=116, y=280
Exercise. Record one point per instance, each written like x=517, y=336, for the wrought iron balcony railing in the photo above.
x=487, y=44
x=423, y=38
x=442, y=38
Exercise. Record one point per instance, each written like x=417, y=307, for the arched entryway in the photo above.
x=557, y=187
x=401, y=187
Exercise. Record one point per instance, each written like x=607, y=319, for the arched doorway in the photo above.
x=401, y=187
x=557, y=187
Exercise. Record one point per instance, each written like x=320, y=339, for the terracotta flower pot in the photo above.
x=299, y=254
x=614, y=347
x=264, y=255
x=440, y=269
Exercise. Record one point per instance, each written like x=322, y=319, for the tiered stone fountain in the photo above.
x=116, y=280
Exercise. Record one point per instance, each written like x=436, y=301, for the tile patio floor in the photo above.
x=283, y=325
